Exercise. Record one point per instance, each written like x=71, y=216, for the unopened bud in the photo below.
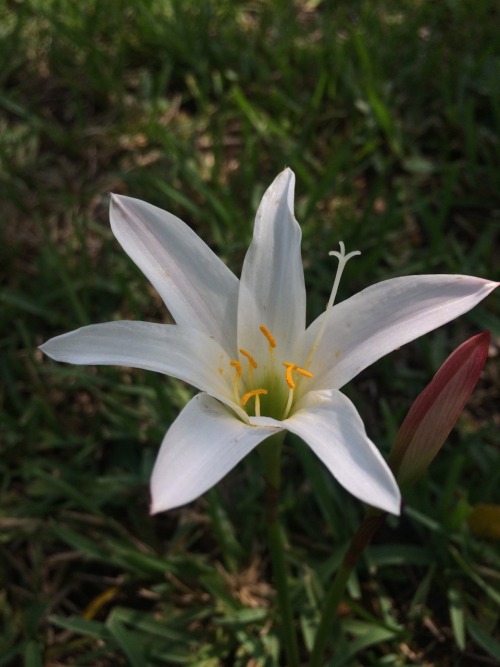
x=437, y=409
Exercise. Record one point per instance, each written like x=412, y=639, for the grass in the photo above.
x=389, y=113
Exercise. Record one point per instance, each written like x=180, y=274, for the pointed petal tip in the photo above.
x=482, y=286
x=123, y=205
x=392, y=505
x=388, y=500
x=165, y=498
x=117, y=209
x=49, y=348
x=288, y=173
x=155, y=507
x=161, y=499
x=494, y=284
x=116, y=201
x=290, y=179
x=284, y=185
x=490, y=285
x=152, y=509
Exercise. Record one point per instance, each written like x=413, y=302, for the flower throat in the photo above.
x=275, y=392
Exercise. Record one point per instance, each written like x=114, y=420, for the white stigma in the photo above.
x=343, y=259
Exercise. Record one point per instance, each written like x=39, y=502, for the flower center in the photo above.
x=272, y=394
x=265, y=385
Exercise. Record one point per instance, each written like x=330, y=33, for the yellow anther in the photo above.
x=255, y=392
x=271, y=339
x=288, y=374
x=239, y=371
x=251, y=360
x=290, y=368
x=236, y=364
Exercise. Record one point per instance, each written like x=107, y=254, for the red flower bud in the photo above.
x=436, y=410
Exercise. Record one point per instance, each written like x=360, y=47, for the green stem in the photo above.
x=363, y=536
x=270, y=452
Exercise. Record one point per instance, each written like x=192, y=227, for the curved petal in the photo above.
x=272, y=290
x=203, y=444
x=182, y=352
x=196, y=286
x=330, y=424
x=381, y=318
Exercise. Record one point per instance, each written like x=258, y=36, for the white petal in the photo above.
x=182, y=352
x=203, y=444
x=272, y=290
x=330, y=424
x=385, y=316
x=196, y=286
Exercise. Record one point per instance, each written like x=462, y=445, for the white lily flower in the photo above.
x=244, y=344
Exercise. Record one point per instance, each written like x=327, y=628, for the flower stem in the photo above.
x=270, y=452
x=363, y=536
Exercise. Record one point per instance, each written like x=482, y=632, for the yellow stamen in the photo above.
x=257, y=393
x=290, y=368
x=288, y=374
x=271, y=339
x=237, y=365
x=239, y=371
x=251, y=360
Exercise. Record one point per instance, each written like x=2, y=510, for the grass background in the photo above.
x=389, y=113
